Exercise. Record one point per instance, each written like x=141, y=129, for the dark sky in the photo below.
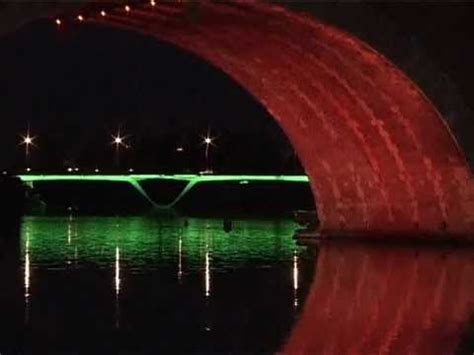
x=76, y=86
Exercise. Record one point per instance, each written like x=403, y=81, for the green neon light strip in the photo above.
x=197, y=178
x=192, y=180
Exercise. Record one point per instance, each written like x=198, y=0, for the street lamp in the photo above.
x=208, y=140
x=27, y=141
x=118, y=141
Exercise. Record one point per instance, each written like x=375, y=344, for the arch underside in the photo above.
x=379, y=157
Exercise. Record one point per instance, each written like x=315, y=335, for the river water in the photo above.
x=145, y=285
x=148, y=285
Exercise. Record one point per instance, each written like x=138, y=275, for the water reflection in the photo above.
x=145, y=239
x=185, y=286
x=27, y=274
x=295, y=279
x=162, y=288
x=180, y=258
x=372, y=299
x=117, y=271
x=208, y=272
x=117, y=287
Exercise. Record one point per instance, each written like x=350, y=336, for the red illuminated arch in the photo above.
x=379, y=156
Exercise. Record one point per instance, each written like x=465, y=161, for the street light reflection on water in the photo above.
x=188, y=276
x=173, y=286
x=27, y=274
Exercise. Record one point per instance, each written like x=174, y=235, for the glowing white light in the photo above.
x=76, y=169
x=152, y=3
x=69, y=234
x=102, y=13
x=180, y=256
x=180, y=149
x=28, y=140
x=96, y=170
x=27, y=267
x=27, y=275
x=208, y=274
x=58, y=22
x=69, y=169
x=117, y=270
x=28, y=169
x=119, y=140
x=127, y=8
x=295, y=278
x=4, y=172
x=80, y=18
x=207, y=140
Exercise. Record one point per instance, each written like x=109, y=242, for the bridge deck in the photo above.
x=192, y=181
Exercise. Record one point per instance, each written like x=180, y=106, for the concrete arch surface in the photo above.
x=379, y=156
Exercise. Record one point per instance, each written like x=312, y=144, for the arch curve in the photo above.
x=379, y=156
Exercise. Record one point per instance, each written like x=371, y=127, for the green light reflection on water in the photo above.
x=147, y=243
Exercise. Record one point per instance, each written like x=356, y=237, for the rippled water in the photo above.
x=142, y=285
x=138, y=285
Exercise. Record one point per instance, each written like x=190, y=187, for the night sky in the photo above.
x=78, y=85
x=86, y=83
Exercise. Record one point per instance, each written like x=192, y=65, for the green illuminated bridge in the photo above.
x=169, y=191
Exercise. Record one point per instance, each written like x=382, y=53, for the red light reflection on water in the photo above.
x=372, y=299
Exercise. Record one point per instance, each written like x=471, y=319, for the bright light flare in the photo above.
x=103, y=13
x=119, y=140
x=80, y=18
x=127, y=8
x=208, y=139
x=28, y=140
x=152, y=3
x=58, y=22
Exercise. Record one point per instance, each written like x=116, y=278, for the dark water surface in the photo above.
x=141, y=285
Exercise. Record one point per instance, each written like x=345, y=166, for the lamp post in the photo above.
x=118, y=141
x=208, y=140
x=27, y=141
